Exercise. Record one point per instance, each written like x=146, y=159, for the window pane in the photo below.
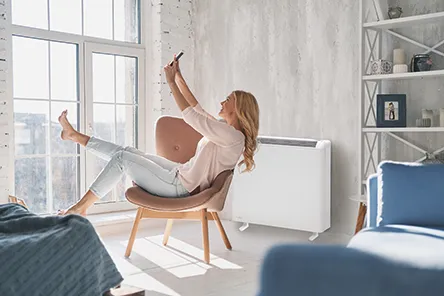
x=30, y=68
x=63, y=71
x=65, y=172
x=98, y=165
x=122, y=186
x=104, y=122
x=32, y=13
x=103, y=78
x=66, y=16
x=59, y=146
x=104, y=128
x=98, y=18
x=30, y=126
x=126, y=79
x=30, y=182
x=125, y=130
x=126, y=20
x=125, y=125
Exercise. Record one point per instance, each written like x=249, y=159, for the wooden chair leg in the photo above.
x=221, y=230
x=134, y=232
x=361, y=217
x=167, y=233
x=206, y=243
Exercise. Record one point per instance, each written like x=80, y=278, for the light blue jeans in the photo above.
x=155, y=174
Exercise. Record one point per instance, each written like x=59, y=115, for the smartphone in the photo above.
x=177, y=57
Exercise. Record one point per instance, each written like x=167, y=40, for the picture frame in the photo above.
x=391, y=110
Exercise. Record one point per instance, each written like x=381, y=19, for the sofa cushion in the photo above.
x=410, y=193
x=389, y=260
x=410, y=258
x=403, y=245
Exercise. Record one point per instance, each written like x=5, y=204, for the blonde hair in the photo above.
x=247, y=111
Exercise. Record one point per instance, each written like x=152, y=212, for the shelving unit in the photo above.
x=404, y=76
x=402, y=129
x=370, y=85
x=405, y=21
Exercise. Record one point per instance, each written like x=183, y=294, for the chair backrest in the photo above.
x=175, y=139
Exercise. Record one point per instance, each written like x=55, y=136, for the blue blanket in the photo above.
x=52, y=255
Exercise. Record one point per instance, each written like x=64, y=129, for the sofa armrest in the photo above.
x=372, y=200
x=321, y=270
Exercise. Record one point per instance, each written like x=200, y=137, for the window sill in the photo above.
x=105, y=219
x=112, y=223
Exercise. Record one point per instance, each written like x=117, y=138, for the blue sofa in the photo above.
x=400, y=252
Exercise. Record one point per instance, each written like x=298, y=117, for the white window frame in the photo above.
x=88, y=44
x=89, y=50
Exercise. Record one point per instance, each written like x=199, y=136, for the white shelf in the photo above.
x=406, y=21
x=401, y=76
x=403, y=129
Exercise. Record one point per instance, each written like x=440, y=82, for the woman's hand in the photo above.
x=170, y=73
x=176, y=65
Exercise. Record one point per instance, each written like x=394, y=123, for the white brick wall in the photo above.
x=175, y=35
x=168, y=31
x=6, y=115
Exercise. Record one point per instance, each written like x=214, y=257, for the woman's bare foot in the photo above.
x=82, y=205
x=72, y=211
x=68, y=132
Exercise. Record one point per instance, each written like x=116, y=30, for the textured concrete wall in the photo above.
x=300, y=59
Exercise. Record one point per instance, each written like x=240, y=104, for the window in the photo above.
x=81, y=70
x=114, y=106
x=109, y=19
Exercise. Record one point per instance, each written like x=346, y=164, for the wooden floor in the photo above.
x=178, y=269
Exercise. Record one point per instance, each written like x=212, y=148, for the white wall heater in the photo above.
x=289, y=188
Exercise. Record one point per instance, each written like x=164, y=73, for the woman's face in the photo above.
x=228, y=107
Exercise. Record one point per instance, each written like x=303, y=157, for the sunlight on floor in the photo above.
x=137, y=278
x=144, y=281
x=178, y=258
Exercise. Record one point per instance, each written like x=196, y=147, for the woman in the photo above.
x=221, y=147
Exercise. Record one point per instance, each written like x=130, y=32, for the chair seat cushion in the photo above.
x=140, y=197
x=212, y=198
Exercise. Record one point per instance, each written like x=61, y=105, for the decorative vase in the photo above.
x=381, y=67
x=402, y=68
x=421, y=62
x=394, y=12
x=436, y=117
x=423, y=122
x=427, y=114
x=398, y=56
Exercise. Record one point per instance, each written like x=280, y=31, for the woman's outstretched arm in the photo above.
x=170, y=73
x=180, y=100
x=184, y=89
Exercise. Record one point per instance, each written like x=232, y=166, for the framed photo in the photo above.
x=391, y=110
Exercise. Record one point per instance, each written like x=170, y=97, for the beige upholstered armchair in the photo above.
x=177, y=141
